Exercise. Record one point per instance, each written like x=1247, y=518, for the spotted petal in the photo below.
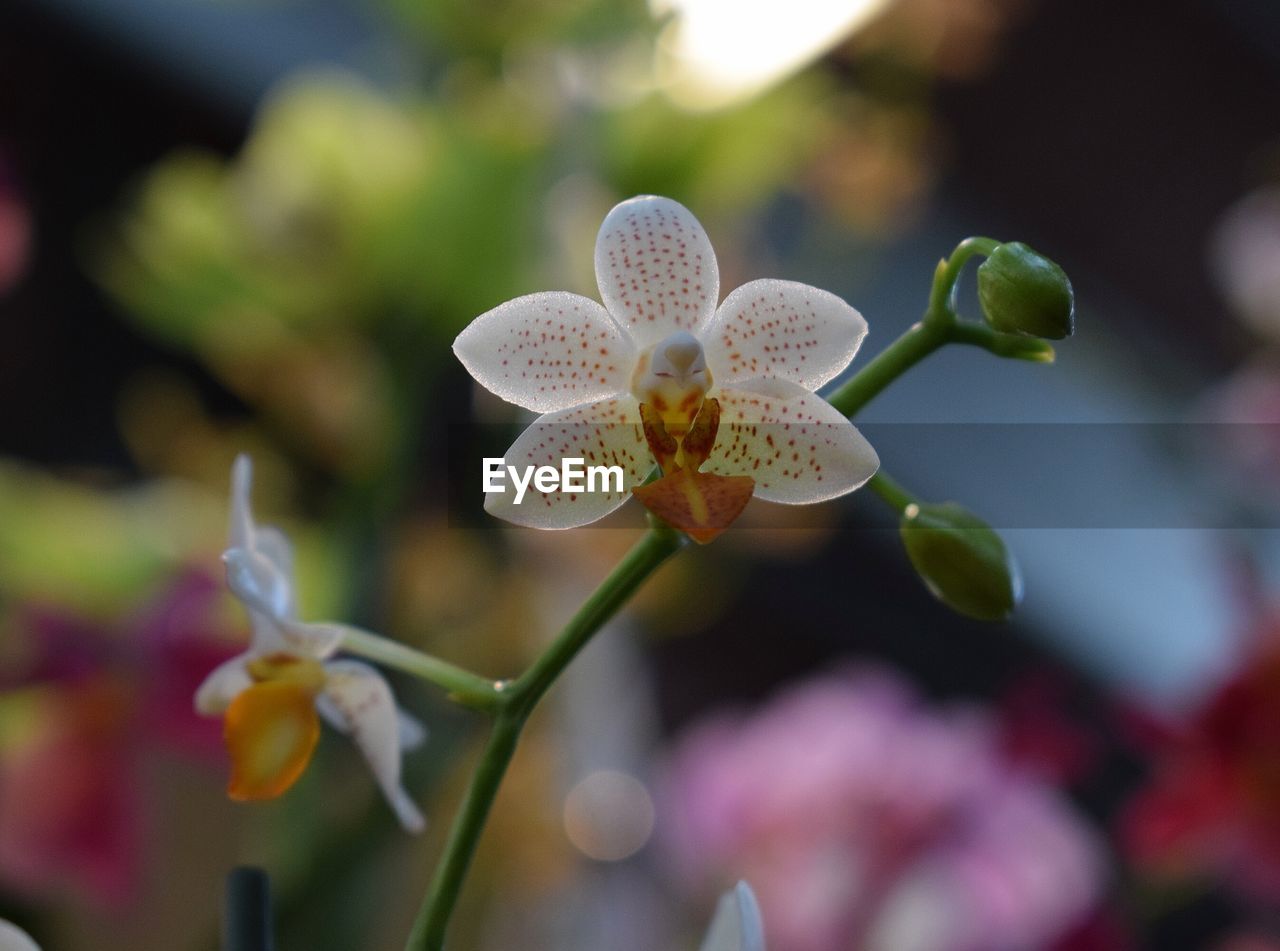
x=797, y=447
x=605, y=433
x=223, y=685
x=361, y=702
x=547, y=352
x=737, y=925
x=782, y=329
x=656, y=269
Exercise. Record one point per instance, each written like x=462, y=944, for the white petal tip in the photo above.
x=241, y=473
x=13, y=938
x=411, y=818
x=737, y=925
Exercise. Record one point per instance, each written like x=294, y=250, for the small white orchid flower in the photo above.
x=737, y=925
x=273, y=694
x=661, y=341
x=13, y=938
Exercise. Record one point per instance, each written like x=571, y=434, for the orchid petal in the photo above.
x=656, y=269
x=797, y=447
x=240, y=530
x=271, y=731
x=361, y=701
x=737, y=925
x=605, y=433
x=222, y=686
x=315, y=639
x=13, y=938
x=412, y=733
x=783, y=330
x=274, y=545
x=255, y=580
x=547, y=351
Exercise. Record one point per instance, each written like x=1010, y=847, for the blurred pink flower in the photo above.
x=865, y=820
x=15, y=232
x=71, y=788
x=1037, y=733
x=1244, y=254
x=1243, y=417
x=1212, y=805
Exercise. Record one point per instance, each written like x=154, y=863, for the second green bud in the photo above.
x=962, y=560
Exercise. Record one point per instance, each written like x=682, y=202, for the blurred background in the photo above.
x=257, y=225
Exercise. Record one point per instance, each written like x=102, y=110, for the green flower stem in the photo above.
x=901, y=355
x=470, y=690
x=517, y=700
x=657, y=545
x=433, y=918
x=896, y=496
x=942, y=295
x=939, y=326
x=512, y=702
x=1013, y=346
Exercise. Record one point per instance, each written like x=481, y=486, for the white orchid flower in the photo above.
x=660, y=341
x=13, y=938
x=273, y=694
x=737, y=925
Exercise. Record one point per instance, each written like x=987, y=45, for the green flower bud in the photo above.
x=962, y=560
x=1024, y=292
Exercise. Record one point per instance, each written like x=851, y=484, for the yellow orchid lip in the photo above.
x=271, y=727
x=271, y=730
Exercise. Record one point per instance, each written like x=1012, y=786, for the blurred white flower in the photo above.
x=737, y=925
x=13, y=938
x=718, y=52
x=1245, y=256
x=273, y=694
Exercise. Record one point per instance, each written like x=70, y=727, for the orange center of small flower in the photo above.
x=700, y=504
x=271, y=728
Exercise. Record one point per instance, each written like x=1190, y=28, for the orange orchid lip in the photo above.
x=700, y=504
x=271, y=730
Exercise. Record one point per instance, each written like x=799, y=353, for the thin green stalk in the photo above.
x=517, y=702
x=657, y=545
x=893, y=493
x=947, y=276
x=433, y=919
x=905, y=352
x=1013, y=346
x=469, y=689
x=939, y=326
